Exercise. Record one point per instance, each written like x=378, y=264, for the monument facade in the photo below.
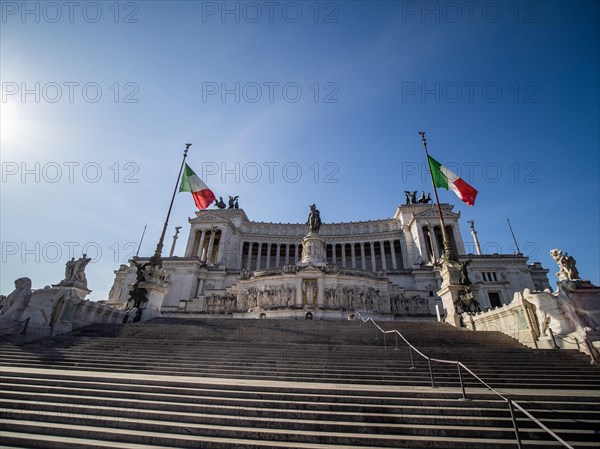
x=388, y=267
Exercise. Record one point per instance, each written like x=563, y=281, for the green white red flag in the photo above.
x=203, y=196
x=447, y=179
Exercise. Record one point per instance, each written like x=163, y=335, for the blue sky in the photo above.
x=288, y=104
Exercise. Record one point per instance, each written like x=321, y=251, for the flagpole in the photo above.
x=156, y=259
x=141, y=239
x=513, y=236
x=448, y=255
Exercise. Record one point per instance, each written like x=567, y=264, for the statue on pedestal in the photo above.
x=314, y=220
x=75, y=271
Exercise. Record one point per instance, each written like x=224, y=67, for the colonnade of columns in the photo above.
x=375, y=255
x=210, y=245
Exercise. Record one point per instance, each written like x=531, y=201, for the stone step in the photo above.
x=190, y=435
x=475, y=418
x=332, y=364
x=394, y=377
x=288, y=383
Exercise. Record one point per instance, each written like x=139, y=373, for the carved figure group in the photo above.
x=415, y=305
x=75, y=270
x=266, y=297
x=313, y=250
x=566, y=264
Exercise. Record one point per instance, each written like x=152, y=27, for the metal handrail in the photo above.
x=593, y=351
x=510, y=402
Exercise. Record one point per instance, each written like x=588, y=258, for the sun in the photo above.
x=11, y=123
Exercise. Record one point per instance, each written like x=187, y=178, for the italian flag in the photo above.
x=442, y=177
x=203, y=196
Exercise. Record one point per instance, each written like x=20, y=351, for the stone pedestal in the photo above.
x=450, y=293
x=77, y=287
x=313, y=250
x=155, y=293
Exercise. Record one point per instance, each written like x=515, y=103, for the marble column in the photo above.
x=287, y=253
x=411, y=257
x=258, y=256
x=382, y=249
x=343, y=255
x=211, y=245
x=353, y=255
x=249, y=260
x=422, y=247
x=436, y=247
x=220, y=249
x=373, y=264
x=393, y=250
x=299, y=292
x=362, y=256
x=320, y=293
x=201, y=245
x=268, y=265
x=241, y=255
x=278, y=246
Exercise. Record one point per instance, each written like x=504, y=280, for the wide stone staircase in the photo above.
x=225, y=383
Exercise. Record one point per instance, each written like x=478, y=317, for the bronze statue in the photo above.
x=411, y=196
x=464, y=274
x=140, y=274
x=220, y=203
x=314, y=220
x=466, y=302
x=232, y=200
x=424, y=199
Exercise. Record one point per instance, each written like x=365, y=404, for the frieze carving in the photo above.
x=416, y=305
x=332, y=268
x=289, y=268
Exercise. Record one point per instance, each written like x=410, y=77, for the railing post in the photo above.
x=396, y=336
x=553, y=339
x=431, y=372
x=462, y=385
x=592, y=350
x=412, y=361
x=514, y=420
